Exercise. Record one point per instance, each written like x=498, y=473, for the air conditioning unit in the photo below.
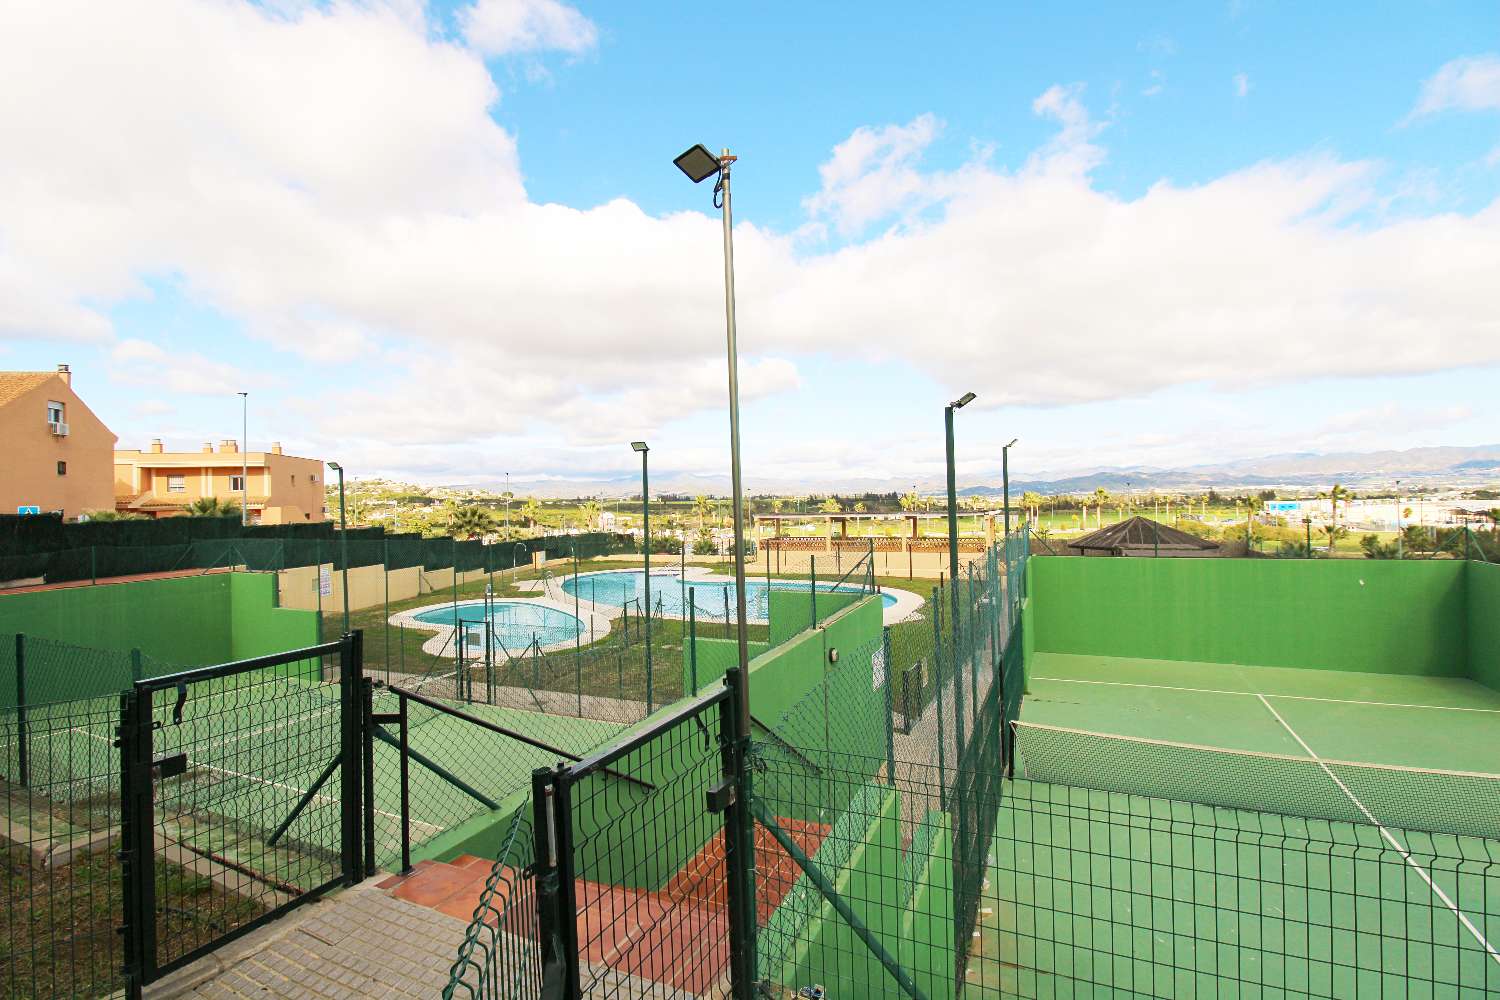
x=58, y=428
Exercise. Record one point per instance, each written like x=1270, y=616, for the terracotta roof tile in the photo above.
x=14, y=385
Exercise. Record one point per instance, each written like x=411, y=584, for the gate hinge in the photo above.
x=721, y=796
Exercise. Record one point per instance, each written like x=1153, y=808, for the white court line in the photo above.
x=1437, y=890
x=1252, y=694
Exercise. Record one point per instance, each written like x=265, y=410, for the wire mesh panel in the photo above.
x=501, y=953
x=645, y=844
x=243, y=797
x=61, y=825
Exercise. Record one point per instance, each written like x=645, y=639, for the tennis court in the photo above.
x=1187, y=828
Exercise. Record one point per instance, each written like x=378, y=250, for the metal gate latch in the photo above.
x=721, y=796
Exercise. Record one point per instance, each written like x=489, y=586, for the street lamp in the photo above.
x=699, y=165
x=1400, y=548
x=957, y=404
x=1005, y=476
x=343, y=541
x=641, y=447
x=244, y=458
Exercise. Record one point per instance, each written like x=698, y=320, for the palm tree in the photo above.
x=776, y=504
x=703, y=507
x=1101, y=496
x=910, y=501
x=531, y=510
x=1033, y=504
x=213, y=507
x=591, y=510
x=1336, y=494
x=469, y=522
x=113, y=515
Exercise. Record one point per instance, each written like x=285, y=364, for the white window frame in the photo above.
x=57, y=413
x=177, y=484
x=236, y=483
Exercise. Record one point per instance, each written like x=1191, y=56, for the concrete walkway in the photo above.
x=360, y=942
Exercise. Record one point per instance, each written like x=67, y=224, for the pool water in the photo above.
x=515, y=624
x=672, y=595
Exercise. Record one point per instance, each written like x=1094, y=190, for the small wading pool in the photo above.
x=710, y=598
x=515, y=623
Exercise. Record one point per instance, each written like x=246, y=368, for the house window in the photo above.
x=294, y=479
x=54, y=412
x=314, y=479
x=236, y=484
x=176, y=484
x=62, y=468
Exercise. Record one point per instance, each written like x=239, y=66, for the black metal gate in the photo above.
x=240, y=799
x=644, y=861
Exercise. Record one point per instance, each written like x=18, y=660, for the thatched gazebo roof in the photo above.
x=1141, y=536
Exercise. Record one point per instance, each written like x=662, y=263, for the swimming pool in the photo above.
x=710, y=598
x=516, y=623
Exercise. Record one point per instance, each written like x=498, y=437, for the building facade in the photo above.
x=283, y=489
x=57, y=453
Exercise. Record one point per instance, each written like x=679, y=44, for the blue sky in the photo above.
x=445, y=241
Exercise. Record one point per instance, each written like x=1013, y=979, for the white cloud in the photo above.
x=1471, y=83
x=506, y=27
x=1241, y=85
x=1157, y=84
x=140, y=362
x=330, y=178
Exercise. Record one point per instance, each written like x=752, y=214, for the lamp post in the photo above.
x=343, y=541
x=641, y=447
x=1307, y=523
x=699, y=165
x=1005, y=476
x=1400, y=549
x=957, y=404
x=244, y=458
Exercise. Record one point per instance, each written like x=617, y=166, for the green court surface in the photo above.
x=1202, y=829
x=255, y=749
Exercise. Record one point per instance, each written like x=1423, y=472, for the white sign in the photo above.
x=325, y=581
x=877, y=663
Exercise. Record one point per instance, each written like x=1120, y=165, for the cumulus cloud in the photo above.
x=1471, y=83
x=506, y=27
x=330, y=177
x=140, y=362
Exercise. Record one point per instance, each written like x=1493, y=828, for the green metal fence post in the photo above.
x=739, y=842
x=136, y=670
x=93, y=564
x=934, y=606
x=812, y=589
x=692, y=642
x=22, y=737
x=351, y=683
x=890, y=707
x=385, y=560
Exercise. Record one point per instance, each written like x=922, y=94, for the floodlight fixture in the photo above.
x=1012, y=442
x=639, y=446
x=698, y=163
x=962, y=401
x=335, y=466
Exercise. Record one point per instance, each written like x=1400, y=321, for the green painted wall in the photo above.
x=257, y=626
x=181, y=621
x=791, y=610
x=1484, y=623
x=715, y=656
x=1367, y=615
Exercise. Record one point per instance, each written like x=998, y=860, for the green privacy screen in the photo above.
x=1377, y=616
x=1484, y=623
x=186, y=621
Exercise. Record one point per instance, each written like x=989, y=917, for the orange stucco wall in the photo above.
x=28, y=468
x=282, y=488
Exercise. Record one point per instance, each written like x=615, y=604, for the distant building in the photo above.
x=283, y=489
x=1141, y=536
x=57, y=453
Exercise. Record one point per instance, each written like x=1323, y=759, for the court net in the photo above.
x=1459, y=803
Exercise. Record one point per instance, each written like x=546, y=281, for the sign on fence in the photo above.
x=325, y=581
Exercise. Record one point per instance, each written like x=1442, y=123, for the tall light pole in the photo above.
x=699, y=165
x=507, y=505
x=1005, y=476
x=957, y=404
x=343, y=541
x=641, y=447
x=244, y=458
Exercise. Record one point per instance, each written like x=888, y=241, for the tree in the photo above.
x=910, y=501
x=703, y=507
x=1101, y=496
x=590, y=510
x=531, y=510
x=113, y=515
x=1033, y=503
x=831, y=506
x=213, y=507
x=776, y=505
x=1336, y=495
x=1373, y=548
x=469, y=521
x=1334, y=533
x=860, y=507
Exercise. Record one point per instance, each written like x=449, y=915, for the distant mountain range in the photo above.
x=1436, y=466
